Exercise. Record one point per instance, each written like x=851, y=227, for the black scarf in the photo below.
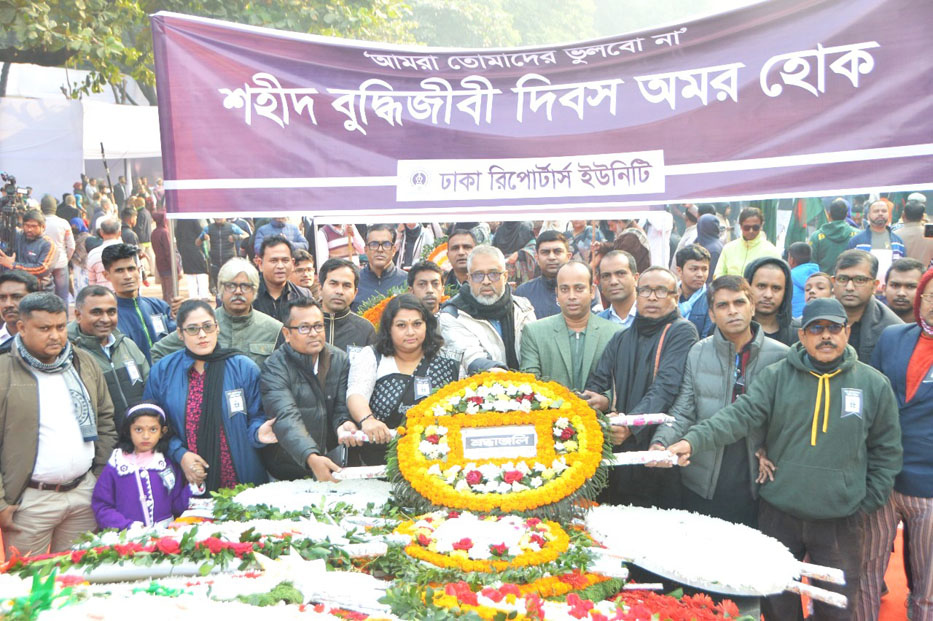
x=211, y=425
x=502, y=310
x=646, y=326
x=512, y=236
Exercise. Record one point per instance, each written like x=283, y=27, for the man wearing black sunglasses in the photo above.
x=753, y=244
x=830, y=425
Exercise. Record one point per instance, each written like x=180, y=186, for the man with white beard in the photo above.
x=484, y=321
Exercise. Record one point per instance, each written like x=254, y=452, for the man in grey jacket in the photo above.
x=855, y=281
x=722, y=483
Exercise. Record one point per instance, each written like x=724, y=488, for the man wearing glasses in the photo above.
x=854, y=285
x=242, y=328
x=485, y=321
x=305, y=384
x=643, y=368
x=830, y=425
x=380, y=275
x=753, y=244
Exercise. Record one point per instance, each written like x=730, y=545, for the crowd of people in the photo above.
x=801, y=385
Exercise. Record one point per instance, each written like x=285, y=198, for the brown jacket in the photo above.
x=19, y=421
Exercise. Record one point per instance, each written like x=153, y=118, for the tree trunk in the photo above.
x=4, y=74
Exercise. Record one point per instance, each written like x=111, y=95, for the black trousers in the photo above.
x=834, y=543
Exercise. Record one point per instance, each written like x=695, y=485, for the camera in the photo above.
x=12, y=207
x=928, y=230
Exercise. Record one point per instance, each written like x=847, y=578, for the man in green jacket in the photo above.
x=831, y=466
x=242, y=327
x=564, y=348
x=123, y=364
x=831, y=239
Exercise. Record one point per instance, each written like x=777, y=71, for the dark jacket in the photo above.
x=891, y=356
x=371, y=285
x=34, y=257
x=347, y=329
x=787, y=333
x=820, y=475
x=193, y=260
x=276, y=308
x=168, y=386
x=135, y=320
x=143, y=228
x=828, y=242
x=125, y=370
x=306, y=416
x=874, y=320
x=627, y=368
x=542, y=293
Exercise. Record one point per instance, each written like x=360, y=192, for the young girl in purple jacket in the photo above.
x=140, y=486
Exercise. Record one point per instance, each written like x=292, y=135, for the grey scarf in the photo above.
x=83, y=411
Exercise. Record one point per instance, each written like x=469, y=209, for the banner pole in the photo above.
x=174, y=266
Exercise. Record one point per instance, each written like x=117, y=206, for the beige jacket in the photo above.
x=19, y=421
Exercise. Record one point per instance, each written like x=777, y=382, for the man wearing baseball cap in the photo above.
x=831, y=428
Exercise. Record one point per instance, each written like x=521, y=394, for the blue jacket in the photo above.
x=288, y=230
x=168, y=386
x=371, y=285
x=862, y=241
x=891, y=356
x=699, y=317
x=143, y=331
x=542, y=295
x=799, y=277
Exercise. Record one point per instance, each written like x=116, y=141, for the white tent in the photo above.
x=44, y=142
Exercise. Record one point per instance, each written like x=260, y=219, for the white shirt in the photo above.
x=4, y=335
x=62, y=455
x=364, y=372
x=59, y=231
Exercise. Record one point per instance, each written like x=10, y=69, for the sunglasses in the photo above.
x=816, y=330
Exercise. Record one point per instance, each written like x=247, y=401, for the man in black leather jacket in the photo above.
x=304, y=386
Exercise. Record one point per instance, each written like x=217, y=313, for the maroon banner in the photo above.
x=787, y=98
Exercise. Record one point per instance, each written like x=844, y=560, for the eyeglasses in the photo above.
x=860, y=281
x=751, y=227
x=232, y=287
x=374, y=245
x=193, y=330
x=479, y=277
x=927, y=297
x=659, y=292
x=305, y=329
x=816, y=330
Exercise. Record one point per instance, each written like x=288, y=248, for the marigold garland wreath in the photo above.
x=428, y=470
x=371, y=310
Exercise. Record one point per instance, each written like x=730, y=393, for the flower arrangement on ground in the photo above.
x=500, y=442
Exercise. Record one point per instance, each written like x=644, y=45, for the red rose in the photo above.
x=452, y=515
x=510, y=589
x=464, y=544
x=476, y=400
x=213, y=544
x=424, y=540
x=492, y=594
x=567, y=433
x=538, y=539
x=462, y=591
x=239, y=549
x=433, y=438
x=167, y=545
x=499, y=549
x=532, y=522
x=474, y=477
x=512, y=476
x=77, y=555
